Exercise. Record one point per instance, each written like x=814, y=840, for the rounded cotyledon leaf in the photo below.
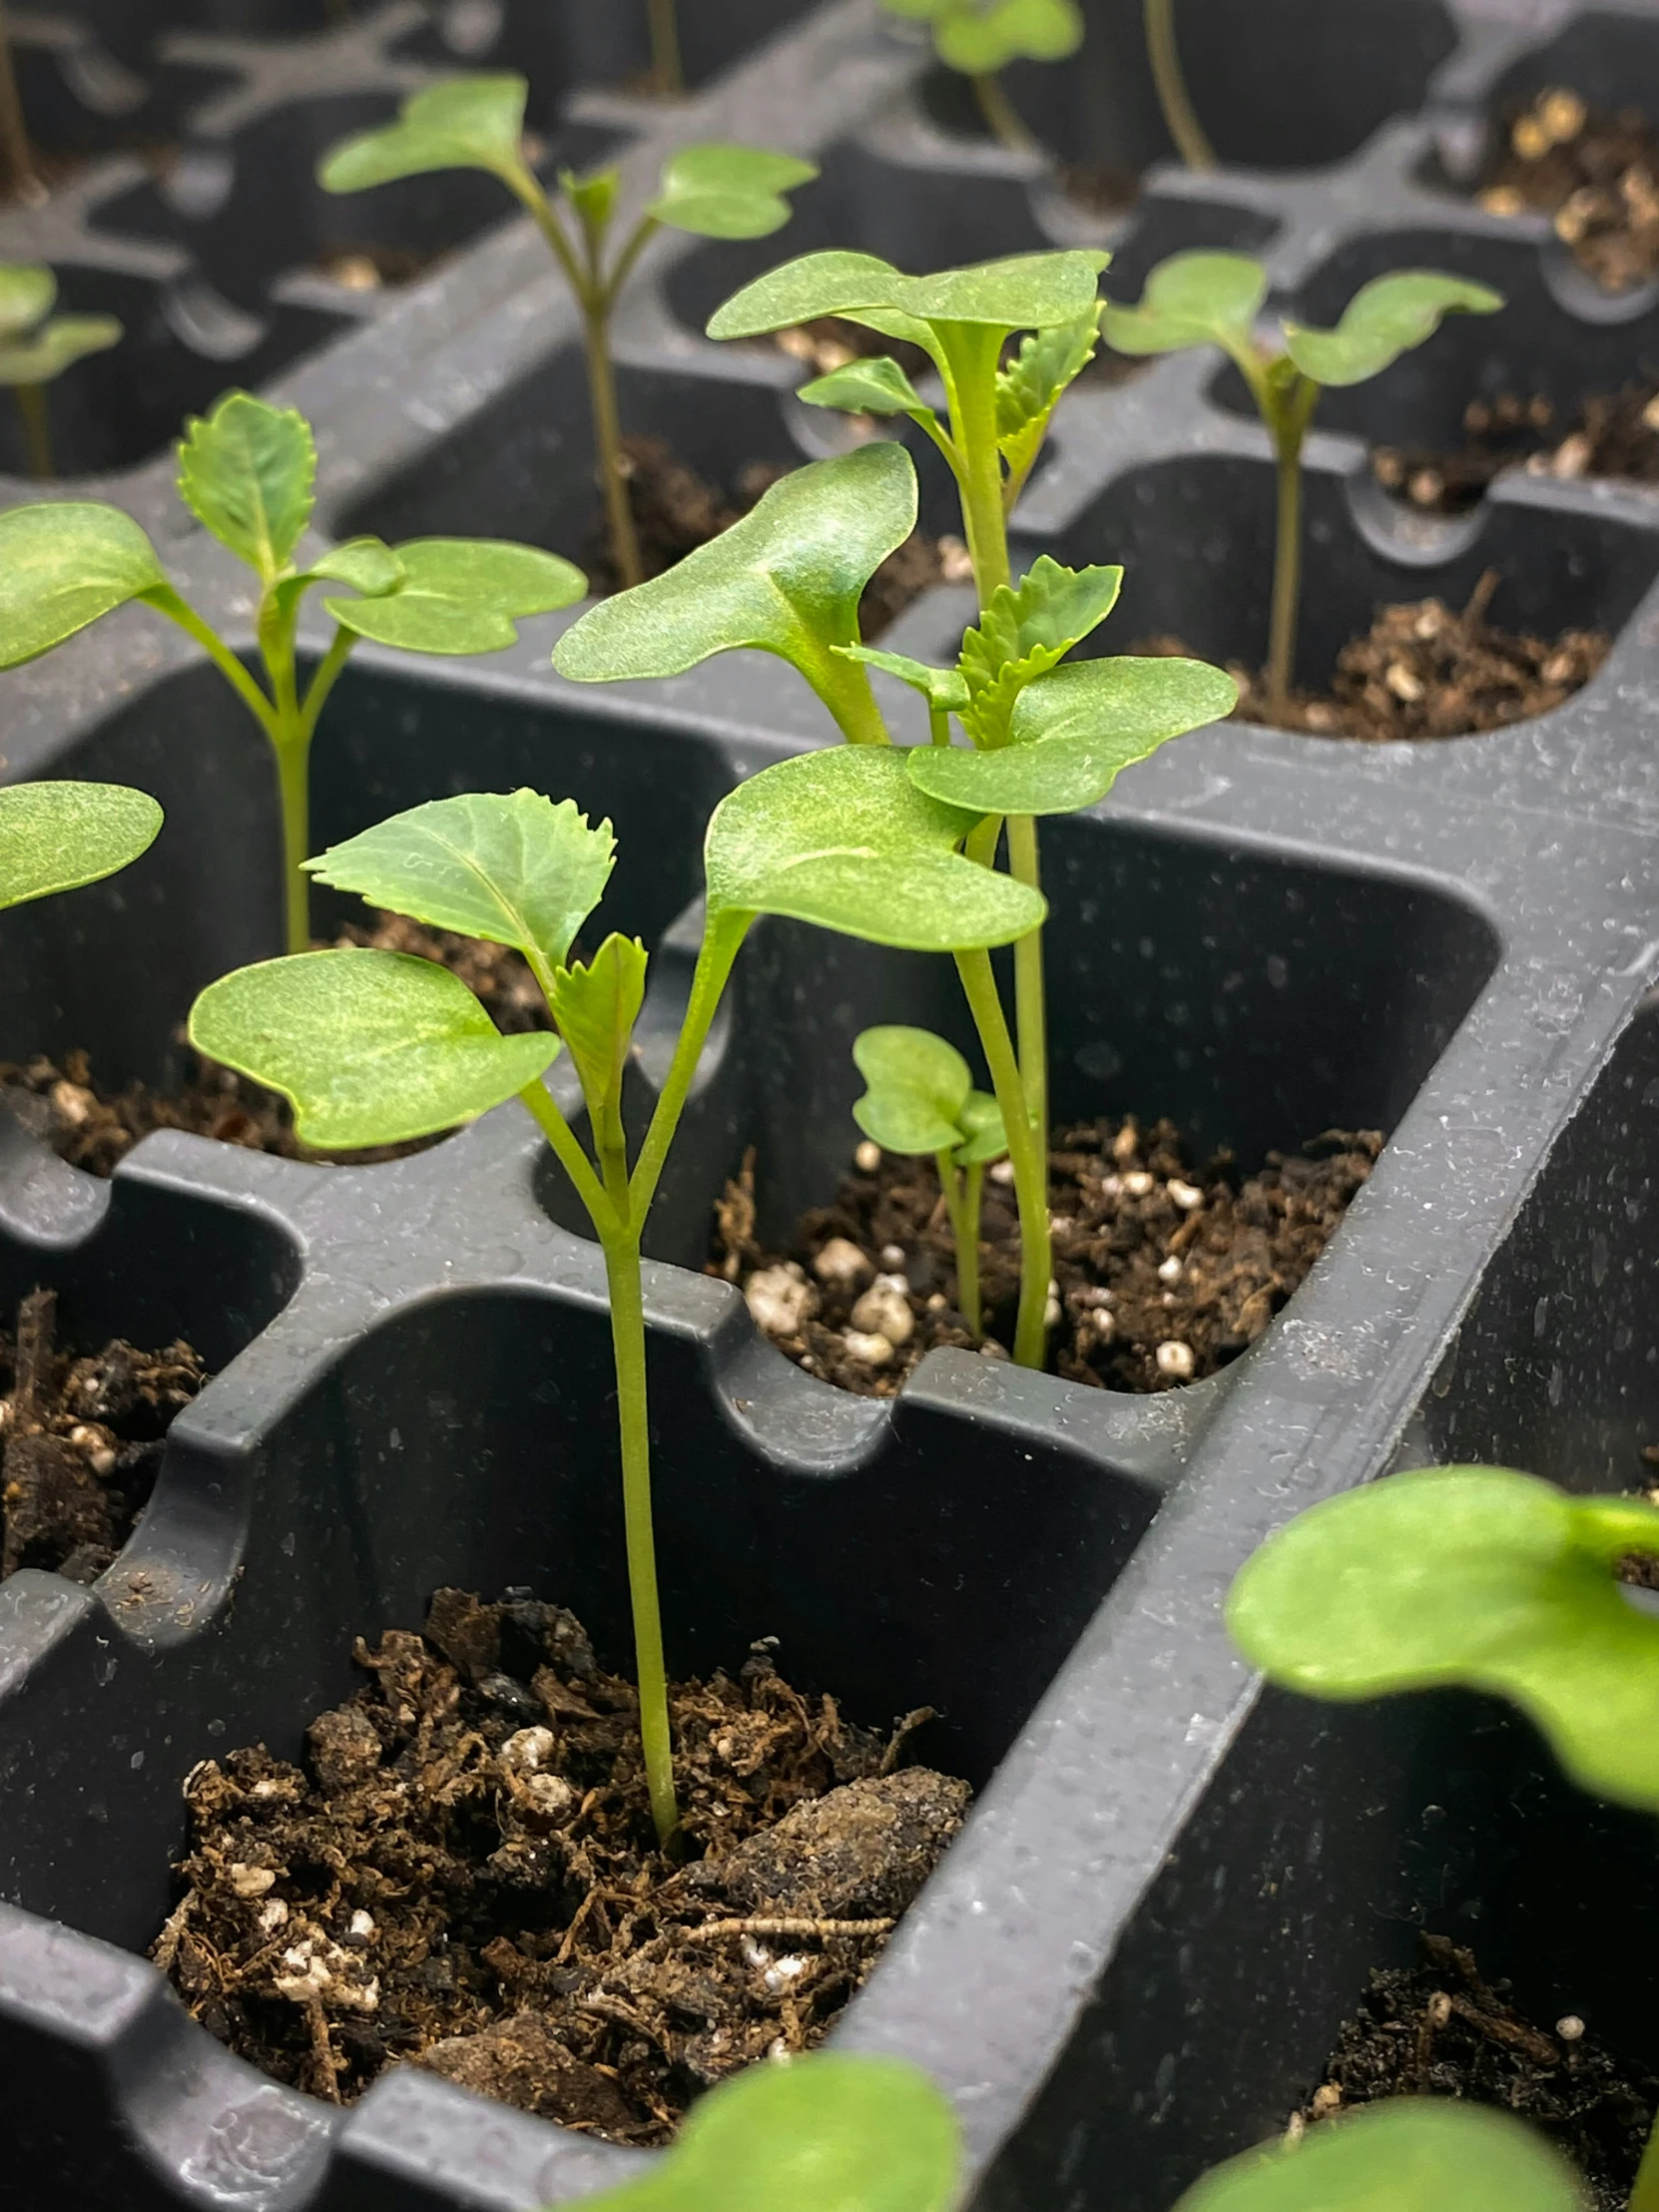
x=1407, y=2154
x=474, y=122
x=28, y=293
x=368, y=1047
x=1025, y=291
x=1475, y=1576
x=980, y=40
x=62, y=566
x=918, y=1087
x=729, y=191
x=56, y=836
x=55, y=346
x=1191, y=299
x=1385, y=318
x=462, y=595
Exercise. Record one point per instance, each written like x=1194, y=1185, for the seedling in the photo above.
x=1214, y=299
x=245, y=473
x=17, y=163
x=57, y=837
x=375, y=1048
x=663, y=23
x=37, y=345
x=1180, y=116
x=920, y=1101
x=981, y=37
x=787, y=580
x=714, y=192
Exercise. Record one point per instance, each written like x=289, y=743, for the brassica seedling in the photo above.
x=787, y=578
x=1215, y=299
x=37, y=345
x=714, y=192
x=245, y=473
x=375, y=1048
x=57, y=837
x=921, y=1101
x=981, y=37
x=1170, y=80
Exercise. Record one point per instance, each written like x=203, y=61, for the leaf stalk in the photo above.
x=1029, y=1164
x=1180, y=116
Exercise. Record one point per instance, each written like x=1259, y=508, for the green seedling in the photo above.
x=17, y=161
x=1170, y=80
x=920, y=1101
x=787, y=580
x=375, y=1048
x=1215, y=299
x=246, y=473
x=981, y=37
x=663, y=24
x=714, y=192
x=37, y=345
x=57, y=837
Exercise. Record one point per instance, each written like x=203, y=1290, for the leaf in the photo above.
x=28, y=293
x=729, y=191
x=63, y=565
x=1477, y=1577
x=836, y=2133
x=462, y=595
x=367, y=564
x=593, y=196
x=979, y=39
x=1026, y=291
x=474, y=122
x=56, y=836
x=1029, y=389
x=1385, y=318
x=842, y=837
x=368, y=1047
x=1075, y=732
x=1025, y=632
x=982, y=1122
x=246, y=473
x=918, y=1086
x=596, y=1008
x=1408, y=2155
x=945, y=689
x=878, y=387
x=1192, y=300
x=516, y=870
x=57, y=345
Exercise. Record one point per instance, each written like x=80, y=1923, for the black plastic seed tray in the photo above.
x=1175, y=1884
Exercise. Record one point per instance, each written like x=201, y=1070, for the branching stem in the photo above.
x=1180, y=116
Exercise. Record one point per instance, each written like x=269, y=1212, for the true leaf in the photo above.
x=1478, y=1576
x=55, y=837
x=836, y=2132
x=1073, y=734
x=596, y=1008
x=918, y=1086
x=1385, y=318
x=368, y=1047
x=1030, y=387
x=1027, y=291
x=28, y=293
x=982, y=1122
x=1192, y=300
x=1411, y=2154
x=1023, y=633
x=367, y=564
x=61, y=567
x=878, y=386
x=945, y=689
x=729, y=191
x=514, y=868
x=246, y=473
x=474, y=122
x=462, y=595
x=594, y=197
x=843, y=838
x=55, y=346
x=982, y=39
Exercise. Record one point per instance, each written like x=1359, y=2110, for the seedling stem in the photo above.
x=1026, y=1150
x=1180, y=116
x=37, y=430
x=963, y=1190
x=21, y=176
x=665, y=66
x=1001, y=114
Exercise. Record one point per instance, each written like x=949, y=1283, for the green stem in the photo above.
x=938, y=726
x=970, y=365
x=1003, y=116
x=326, y=677
x=1180, y=116
x=963, y=1209
x=1288, y=416
x=1030, y=1165
x=293, y=785
x=1644, y=2197
x=721, y=943
x=1030, y=997
x=168, y=602
x=665, y=66
x=607, y=438
x=540, y=1104
x=15, y=155
x=37, y=430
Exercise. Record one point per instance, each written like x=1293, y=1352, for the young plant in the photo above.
x=663, y=24
x=981, y=37
x=37, y=345
x=787, y=578
x=1180, y=116
x=374, y=1049
x=57, y=837
x=1214, y=299
x=714, y=192
x=245, y=473
x=920, y=1101
x=17, y=163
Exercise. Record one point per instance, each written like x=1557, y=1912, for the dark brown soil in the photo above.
x=1165, y=1274
x=1439, y=2029
x=83, y=1442
x=1610, y=435
x=94, y=1127
x=464, y=1873
x=1594, y=171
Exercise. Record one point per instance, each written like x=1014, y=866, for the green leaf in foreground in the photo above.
x=474, y=122
x=56, y=836
x=729, y=191
x=878, y=387
x=55, y=346
x=1192, y=300
x=1475, y=1576
x=1026, y=631
x=1411, y=2154
x=368, y=1047
x=836, y=2132
x=1385, y=318
x=462, y=595
x=918, y=1086
x=246, y=473
x=63, y=565
x=596, y=1007
x=1026, y=291
x=28, y=293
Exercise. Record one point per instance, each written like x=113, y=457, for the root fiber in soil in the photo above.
x=82, y=1442
x=464, y=1875
x=1593, y=171
x=1164, y=1272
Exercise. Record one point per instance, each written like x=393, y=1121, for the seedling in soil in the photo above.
x=981, y=37
x=714, y=192
x=1214, y=299
x=245, y=473
x=57, y=837
x=37, y=345
x=375, y=1048
x=1180, y=116
x=921, y=1100
x=787, y=578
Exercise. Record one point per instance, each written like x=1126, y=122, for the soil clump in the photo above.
x=1164, y=1272
x=1609, y=434
x=82, y=1442
x=1593, y=171
x=464, y=1875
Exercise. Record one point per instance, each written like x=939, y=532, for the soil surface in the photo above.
x=82, y=1442
x=1164, y=1272
x=94, y=1127
x=464, y=1873
x=1440, y=2030
x=1610, y=435
x=1594, y=171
